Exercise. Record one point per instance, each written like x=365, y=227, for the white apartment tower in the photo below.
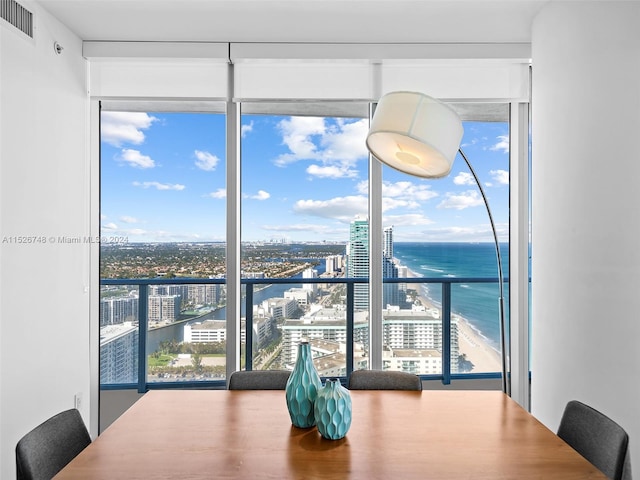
x=310, y=273
x=117, y=310
x=164, y=308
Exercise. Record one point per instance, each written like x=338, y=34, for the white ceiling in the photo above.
x=340, y=21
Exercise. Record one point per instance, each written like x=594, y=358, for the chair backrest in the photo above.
x=47, y=449
x=259, y=380
x=383, y=380
x=596, y=437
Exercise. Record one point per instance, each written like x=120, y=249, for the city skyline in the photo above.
x=303, y=179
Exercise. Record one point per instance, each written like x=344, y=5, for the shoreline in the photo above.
x=471, y=342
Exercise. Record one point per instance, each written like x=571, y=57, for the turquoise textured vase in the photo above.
x=302, y=388
x=332, y=410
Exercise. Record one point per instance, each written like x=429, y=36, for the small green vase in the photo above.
x=332, y=410
x=302, y=388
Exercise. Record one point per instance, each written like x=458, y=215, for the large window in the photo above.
x=162, y=219
x=305, y=193
x=304, y=172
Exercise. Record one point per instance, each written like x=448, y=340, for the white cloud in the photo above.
x=245, y=129
x=342, y=208
x=500, y=176
x=502, y=145
x=261, y=195
x=135, y=159
x=475, y=233
x=337, y=146
x=363, y=187
x=297, y=135
x=206, y=161
x=464, y=200
x=404, y=194
x=392, y=203
x=345, y=141
x=159, y=186
x=109, y=226
x=128, y=219
x=117, y=128
x=410, y=219
x=331, y=171
x=408, y=190
x=221, y=193
x=464, y=178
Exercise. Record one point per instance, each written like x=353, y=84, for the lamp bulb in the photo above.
x=407, y=158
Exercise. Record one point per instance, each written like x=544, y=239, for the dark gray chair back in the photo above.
x=383, y=380
x=49, y=447
x=259, y=380
x=596, y=437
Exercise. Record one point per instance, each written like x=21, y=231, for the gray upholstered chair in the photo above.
x=596, y=437
x=49, y=447
x=259, y=380
x=383, y=380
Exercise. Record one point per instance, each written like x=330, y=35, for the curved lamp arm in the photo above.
x=506, y=387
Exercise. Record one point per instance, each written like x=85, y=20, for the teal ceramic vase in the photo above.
x=332, y=410
x=302, y=388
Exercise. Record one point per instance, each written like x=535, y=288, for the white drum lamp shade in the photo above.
x=415, y=134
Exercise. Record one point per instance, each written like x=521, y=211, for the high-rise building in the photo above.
x=164, y=308
x=119, y=353
x=182, y=290
x=358, y=265
x=157, y=290
x=412, y=339
x=117, y=310
x=390, y=291
x=387, y=251
x=358, y=261
x=310, y=273
x=328, y=324
x=302, y=296
x=204, y=294
x=334, y=264
x=279, y=308
x=411, y=333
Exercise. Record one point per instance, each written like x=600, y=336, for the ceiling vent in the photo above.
x=17, y=15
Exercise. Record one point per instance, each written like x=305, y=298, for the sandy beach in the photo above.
x=484, y=357
x=471, y=343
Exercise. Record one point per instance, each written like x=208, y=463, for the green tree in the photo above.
x=464, y=365
x=196, y=362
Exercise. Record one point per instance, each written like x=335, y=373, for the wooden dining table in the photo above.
x=206, y=434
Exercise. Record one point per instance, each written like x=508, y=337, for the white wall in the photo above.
x=586, y=212
x=44, y=298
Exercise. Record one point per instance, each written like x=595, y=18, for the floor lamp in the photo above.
x=419, y=135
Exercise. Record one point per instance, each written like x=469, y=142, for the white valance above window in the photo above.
x=276, y=72
x=165, y=70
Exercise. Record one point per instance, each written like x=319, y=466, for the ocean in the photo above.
x=477, y=302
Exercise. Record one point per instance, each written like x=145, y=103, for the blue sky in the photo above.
x=303, y=178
